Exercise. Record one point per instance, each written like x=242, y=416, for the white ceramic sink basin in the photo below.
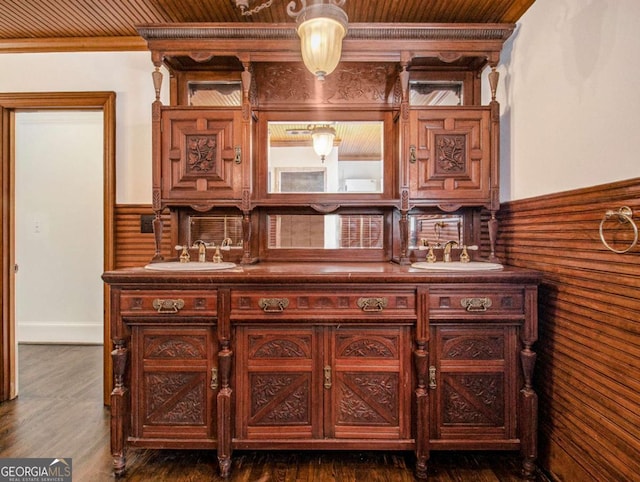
x=457, y=266
x=191, y=266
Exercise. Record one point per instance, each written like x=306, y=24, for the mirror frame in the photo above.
x=261, y=153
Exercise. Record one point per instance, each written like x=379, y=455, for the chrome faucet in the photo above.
x=447, y=250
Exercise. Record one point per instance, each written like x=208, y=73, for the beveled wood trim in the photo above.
x=9, y=102
x=364, y=42
x=72, y=44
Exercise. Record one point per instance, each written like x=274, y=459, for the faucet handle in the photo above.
x=184, y=256
x=464, y=255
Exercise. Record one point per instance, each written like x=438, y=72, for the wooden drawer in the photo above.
x=478, y=303
x=316, y=304
x=167, y=303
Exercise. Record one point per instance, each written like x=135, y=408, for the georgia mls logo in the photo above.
x=35, y=470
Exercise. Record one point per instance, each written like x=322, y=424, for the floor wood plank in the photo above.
x=59, y=413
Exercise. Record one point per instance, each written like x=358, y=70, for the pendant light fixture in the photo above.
x=322, y=137
x=321, y=27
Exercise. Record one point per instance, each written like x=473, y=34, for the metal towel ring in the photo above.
x=624, y=215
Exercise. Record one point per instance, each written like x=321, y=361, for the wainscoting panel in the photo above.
x=589, y=316
x=134, y=248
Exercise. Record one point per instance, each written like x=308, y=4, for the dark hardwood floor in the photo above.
x=59, y=413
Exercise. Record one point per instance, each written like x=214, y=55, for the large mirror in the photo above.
x=325, y=157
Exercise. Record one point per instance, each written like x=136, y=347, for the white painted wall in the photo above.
x=128, y=74
x=59, y=226
x=569, y=97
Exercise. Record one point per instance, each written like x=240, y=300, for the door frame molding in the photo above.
x=9, y=103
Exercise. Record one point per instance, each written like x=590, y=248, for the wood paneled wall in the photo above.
x=588, y=369
x=133, y=248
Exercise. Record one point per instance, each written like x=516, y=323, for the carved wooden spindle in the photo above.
x=421, y=361
x=119, y=407
x=494, y=76
x=224, y=409
x=493, y=235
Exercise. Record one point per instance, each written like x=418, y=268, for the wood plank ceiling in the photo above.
x=75, y=25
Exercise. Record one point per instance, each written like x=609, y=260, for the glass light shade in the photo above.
x=321, y=29
x=323, y=137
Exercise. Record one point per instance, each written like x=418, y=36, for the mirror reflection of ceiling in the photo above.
x=357, y=141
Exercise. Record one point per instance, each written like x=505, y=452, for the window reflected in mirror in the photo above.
x=329, y=231
x=213, y=230
x=325, y=157
x=423, y=93
x=435, y=230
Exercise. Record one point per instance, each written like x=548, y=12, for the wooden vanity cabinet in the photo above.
x=339, y=356
x=165, y=370
x=323, y=369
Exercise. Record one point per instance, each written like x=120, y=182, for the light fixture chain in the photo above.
x=262, y=6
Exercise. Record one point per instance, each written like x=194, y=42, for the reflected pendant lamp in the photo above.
x=321, y=27
x=322, y=137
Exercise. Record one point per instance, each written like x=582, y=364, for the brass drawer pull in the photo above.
x=476, y=304
x=168, y=306
x=214, y=379
x=238, y=155
x=372, y=304
x=273, y=305
x=327, y=377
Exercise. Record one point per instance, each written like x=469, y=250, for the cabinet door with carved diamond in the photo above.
x=174, y=379
x=452, y=157
x=473, y=379
x=278, y=386
x=201, y=159
x=366, y=381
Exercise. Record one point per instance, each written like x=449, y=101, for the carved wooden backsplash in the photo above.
x=589, y=313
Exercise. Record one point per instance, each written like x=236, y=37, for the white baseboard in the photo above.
x=58, y=332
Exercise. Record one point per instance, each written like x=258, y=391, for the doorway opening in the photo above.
x=10, y=104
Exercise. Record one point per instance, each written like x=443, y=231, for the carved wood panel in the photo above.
x=278, y=383
x=172, y=371
x=370, y=365
x=350, y=84
x=450, y=160
x=475, y=384
x=200, y=157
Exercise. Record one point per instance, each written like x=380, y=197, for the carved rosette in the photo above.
x=451, y=153
x=201, y=153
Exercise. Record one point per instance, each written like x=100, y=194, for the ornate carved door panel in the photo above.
x=474, y=381
x=323, y=382
x=277, y=383
x=176, y=376
x=450, y=155
x=371, y=369
x=201, y=155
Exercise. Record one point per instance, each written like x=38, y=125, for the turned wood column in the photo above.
x=119, y=406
